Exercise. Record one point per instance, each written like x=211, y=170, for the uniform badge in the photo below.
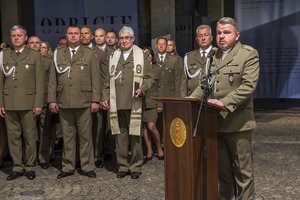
x=112, y=69
x=170, y=70
x=163, y=72
x=60, y=68
x=82, y=68
x=153, y=74
x=149, y=59
x=106, y=57
x=230, y=78
x=7, y=68
x=26, y=66
x=138, y=69
x=96, y=55
x=214, y=72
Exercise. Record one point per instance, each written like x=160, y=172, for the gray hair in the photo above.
x=126, y=29
x=203, y=26
x=15, y=27
x=229, y=20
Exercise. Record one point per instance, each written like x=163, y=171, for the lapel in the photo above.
x=13, y=54
x=24, y=53
x=79, y=53
x=198, y=57
x=121, y=60
x=129, y=58
x=67, y=54
x=167, y=59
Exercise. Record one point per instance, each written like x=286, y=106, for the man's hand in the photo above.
x=159, y=110
x=2, y=112
x=53, y=107
x=138, y=92
x=95, y=107
x=189, y=97
x=216, y=102
x=105, y=105
x=101, y=105
x=37, y=111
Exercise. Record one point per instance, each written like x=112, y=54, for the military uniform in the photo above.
x=236, y=78
x=74, y=90
x=101, y=118
x=150, y=113
x=44, y=119
x=124, y=91
x=21, y=91
x=193, y=62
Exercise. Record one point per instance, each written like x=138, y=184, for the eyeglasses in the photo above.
x=125, y=38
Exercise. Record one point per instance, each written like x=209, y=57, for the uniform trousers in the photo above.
x=44, y=123
x=18, y=122
x=73, y=121
x=126, y=164
x=98, y=135
x=235, y=166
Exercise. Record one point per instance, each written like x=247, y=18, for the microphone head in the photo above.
x=211, y=53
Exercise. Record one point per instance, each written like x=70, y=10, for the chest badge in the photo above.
x=7, y=68
x=138, y=69
x=60, y=68
x=82, y=68
x=230, y=78
x=26, y=66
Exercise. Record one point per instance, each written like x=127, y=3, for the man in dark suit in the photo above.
x=22, y=92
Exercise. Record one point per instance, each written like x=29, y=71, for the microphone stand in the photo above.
x=206, y=93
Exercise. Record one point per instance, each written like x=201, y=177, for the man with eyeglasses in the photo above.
x=62, y=42
x=74, y=91
x=111, y=39
x=130, y=77
x=22, y=91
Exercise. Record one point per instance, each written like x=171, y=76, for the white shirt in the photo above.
x=224, y=54
x=206, y=51
x=73, y=49
x=20, y=50
x=90, y=45
x=126, y=53
x=102, y=48
x=163, y=57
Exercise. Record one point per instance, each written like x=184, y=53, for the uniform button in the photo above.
x=233, y=107
x=16, y=86
x=16, y=72
x=218, y=72
x=16, y=79
x=217, y=81
x=122, y=85
x=230, y=70
x=217, y=90
x=70, y=85
x=16, y=64
x=123, y=72
x=122, y=78
x=70, y=77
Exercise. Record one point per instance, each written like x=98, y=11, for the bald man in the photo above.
x=34, y=42
x=100, y=35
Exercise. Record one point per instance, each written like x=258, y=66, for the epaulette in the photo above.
x=57, y=48
x=6, y=49
x=192, y=51
x=91, y=48
x=249, y=48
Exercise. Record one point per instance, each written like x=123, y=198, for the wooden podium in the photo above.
x=184, y=154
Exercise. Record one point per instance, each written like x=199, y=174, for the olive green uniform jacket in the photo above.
x=236, y=79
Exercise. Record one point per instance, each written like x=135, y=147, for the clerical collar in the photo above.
x=126, y=53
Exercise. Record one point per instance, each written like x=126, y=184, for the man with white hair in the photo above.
x=129, y=78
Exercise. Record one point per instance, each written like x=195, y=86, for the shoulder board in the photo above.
x=7, y=49
x=34, y=50
x=249, y=48
x=144, y=51
x=192, y=51
x=58, y=48
x=91, y=48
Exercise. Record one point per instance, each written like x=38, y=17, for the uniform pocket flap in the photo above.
x=233, y=70
x=59, y=88
x=62, y=62
x=86, y=88
x=30, y=91
x=82, y=63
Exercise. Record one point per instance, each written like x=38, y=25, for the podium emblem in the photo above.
x=178, y=132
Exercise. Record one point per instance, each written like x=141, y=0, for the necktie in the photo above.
x=18, y=53
x=203, y=56
x=73, y=53
x=161, y=59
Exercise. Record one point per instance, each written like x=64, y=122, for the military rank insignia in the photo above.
x=230, y=78
x=106, y=57
x=42, y=58
x=232, y=64
x=138, y=69
x=62, y=59
x=96, y=55
x=149, y=59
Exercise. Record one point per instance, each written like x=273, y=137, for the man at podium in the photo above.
x=235, y=72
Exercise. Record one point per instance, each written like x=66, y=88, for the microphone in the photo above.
x=211, y=53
